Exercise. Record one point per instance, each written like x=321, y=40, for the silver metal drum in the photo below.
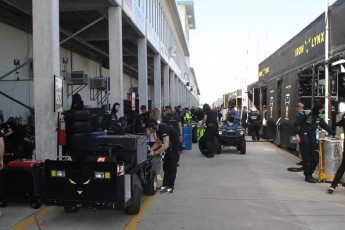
x=332, y=155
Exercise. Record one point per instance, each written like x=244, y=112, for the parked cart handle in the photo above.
x=64, y=158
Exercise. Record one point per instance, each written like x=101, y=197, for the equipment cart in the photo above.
x=112, y=175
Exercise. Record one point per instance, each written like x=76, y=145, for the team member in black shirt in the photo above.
x=167, y=140
x=305, y=129
x=210, y=119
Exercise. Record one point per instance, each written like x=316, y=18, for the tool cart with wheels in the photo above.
x=112, y=174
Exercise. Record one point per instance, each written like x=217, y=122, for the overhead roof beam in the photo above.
x=84, y=42
x=82, y=29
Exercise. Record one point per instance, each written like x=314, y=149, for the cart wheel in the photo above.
x=134, y=207
x=243, y=147
x=70, y=209
x=3, y=203
x=151, y=188
x=35, y=203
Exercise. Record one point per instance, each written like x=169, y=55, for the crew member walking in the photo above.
x=210, y=120
x=254, y=122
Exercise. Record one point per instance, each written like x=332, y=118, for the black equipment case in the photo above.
x=111, y=175
x=23, y=181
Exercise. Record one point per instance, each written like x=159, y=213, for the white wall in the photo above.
x=15, y=44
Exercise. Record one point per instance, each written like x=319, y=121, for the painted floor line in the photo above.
x=32, y=219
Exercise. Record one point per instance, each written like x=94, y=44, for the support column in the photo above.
x=184, y=101
x=172, y=89
x=157, y=81
x=142, y=71
x=178, y=92
x=166, y=84
x=115, y=57
x=46, y=64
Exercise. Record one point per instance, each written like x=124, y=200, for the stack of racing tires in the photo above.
x=77, y=127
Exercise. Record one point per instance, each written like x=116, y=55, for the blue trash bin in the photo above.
x=187, y=137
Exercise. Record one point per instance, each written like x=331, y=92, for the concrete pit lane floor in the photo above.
x=229, y=191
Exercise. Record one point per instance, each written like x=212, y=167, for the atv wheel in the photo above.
x=243, y=147
x=217, y=146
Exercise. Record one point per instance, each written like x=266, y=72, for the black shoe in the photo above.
x=310, y=179
x=166, y=190
x=331, y=189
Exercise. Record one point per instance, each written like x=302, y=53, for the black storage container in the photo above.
x=132, y=149
x=24, y=181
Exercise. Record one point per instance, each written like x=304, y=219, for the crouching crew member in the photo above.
x=305, y=129
x=167, y=140
x=210, y=120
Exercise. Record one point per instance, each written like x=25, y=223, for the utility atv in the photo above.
x=230, y=135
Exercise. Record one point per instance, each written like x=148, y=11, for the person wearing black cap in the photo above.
x=210, y=120
x=305, y=129
x=167, y=140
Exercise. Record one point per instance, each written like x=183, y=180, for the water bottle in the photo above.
x=34, y=154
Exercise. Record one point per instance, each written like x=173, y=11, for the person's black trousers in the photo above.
x=340, y=172
x=170, y=168
x=310, y=157
x=209, y=135
x=255, y=132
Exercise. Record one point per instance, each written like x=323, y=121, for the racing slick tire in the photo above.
x=134, y=207
x=243, y=147
x=76, y=115
x=203, y=149
x=151, y=188
x=217, y=146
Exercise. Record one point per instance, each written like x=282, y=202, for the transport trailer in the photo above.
x=296, y=73
x=113, y=175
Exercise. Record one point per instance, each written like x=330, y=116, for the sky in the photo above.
x=232, y=37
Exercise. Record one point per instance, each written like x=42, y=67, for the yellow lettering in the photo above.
x=264, y=71
x=299, y=50
x=318, y=39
